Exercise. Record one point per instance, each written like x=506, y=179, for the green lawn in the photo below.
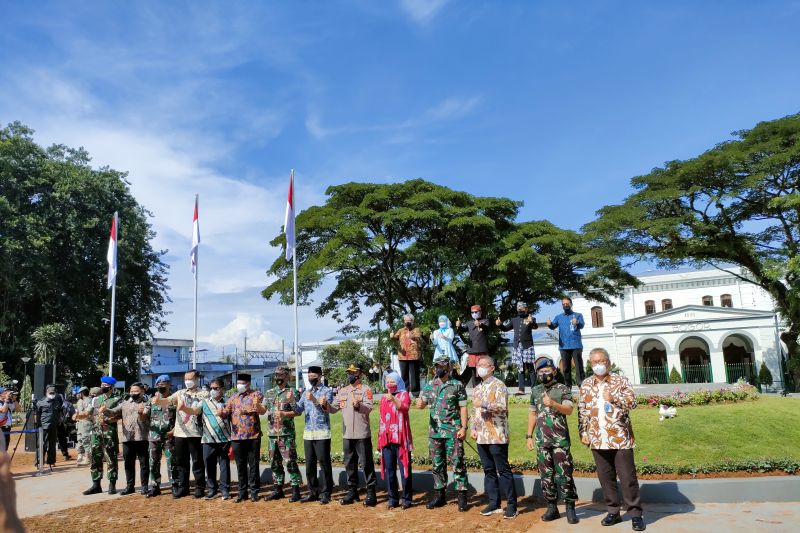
x=766, y=428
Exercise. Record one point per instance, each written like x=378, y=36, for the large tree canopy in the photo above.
x=423, y=248
x=738, y=203
x=55, y=214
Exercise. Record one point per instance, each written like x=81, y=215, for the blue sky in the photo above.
x=557, y=104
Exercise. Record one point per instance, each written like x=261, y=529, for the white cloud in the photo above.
x=422, y=11
x=259, y=336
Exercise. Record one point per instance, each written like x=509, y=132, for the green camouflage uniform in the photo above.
x=445, y=401
x=552, y=441
x=281, y=446
x=105, y=440
x=162, y=421
x=84, y=427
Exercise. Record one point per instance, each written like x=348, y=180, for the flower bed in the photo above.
x=740, y=392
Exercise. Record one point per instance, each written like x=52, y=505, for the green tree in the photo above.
x=337, y=357
x=55, y=213
x=738, y=203
x=48, y=340
x=416, y=246
x=25, y=394
x=764, y=375
x=675, y=376
x=4, y=378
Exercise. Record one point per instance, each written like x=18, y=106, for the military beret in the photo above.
x=108, y=380
x=442, y=359
x=163, y=378
x=543, y=361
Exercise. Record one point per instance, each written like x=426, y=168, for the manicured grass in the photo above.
x=765, y=428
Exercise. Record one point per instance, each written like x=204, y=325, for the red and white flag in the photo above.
x=195, y=238
x=288, y=224
x=111, y=255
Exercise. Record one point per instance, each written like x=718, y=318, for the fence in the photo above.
x=697, y=373
x=653, y=375
x=736, y=371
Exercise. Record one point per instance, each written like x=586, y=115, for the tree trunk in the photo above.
x=792, y=340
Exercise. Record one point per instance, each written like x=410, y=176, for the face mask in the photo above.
x=599, y=369
x=442, y=325
x=241, y=387
x=135, y=397
x=409, y=325
x=523, y=314
x=546, y=377
x=162, y=389
x=352, y=378
x=441, y=372
x=566, y=307
x=106, y=390
x=314, y=382
x=51, y=396
x=476, y=316
x=216, y=393
x=483, y=371
x=189, y=384
x=392, y=388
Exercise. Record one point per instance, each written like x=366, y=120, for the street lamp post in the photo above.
x=25, y=361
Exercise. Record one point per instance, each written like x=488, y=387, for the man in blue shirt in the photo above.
x=314, y=404
x=569, y=324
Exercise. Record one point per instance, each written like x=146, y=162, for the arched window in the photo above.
x=708, y=300
x=649, y=307
x=666, y=304
x=726, y=300
x=597, y=317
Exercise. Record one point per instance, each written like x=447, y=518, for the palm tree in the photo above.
x=48, y=339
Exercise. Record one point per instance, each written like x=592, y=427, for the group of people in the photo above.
x=201, y=428
x=569, y=324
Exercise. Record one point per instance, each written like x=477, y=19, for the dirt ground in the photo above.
x=187, y=514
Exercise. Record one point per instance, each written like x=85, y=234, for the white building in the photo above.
x=708, y=324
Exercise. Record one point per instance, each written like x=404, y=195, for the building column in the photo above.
x=673, y=361
x=718, y=366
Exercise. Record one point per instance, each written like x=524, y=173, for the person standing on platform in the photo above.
x=105, y=439
x=161, y=440
x=394, y=440
x=478, y=329
x=569, y=324
x=522, y=353
x=48, y=417
x=135, y=415
x=409, y=354
x=280, y=404
x=83, y=426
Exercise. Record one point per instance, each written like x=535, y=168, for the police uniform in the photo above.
x=282, y=446
x=445, y=400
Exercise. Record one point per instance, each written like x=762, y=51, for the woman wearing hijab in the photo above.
x=394, y=439
x=443, y=340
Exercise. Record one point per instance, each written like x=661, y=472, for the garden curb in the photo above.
x=677, y=491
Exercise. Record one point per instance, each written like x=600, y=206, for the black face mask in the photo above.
x=279, y=381
x=162, y=389
x=409, y=325
x=566, y=307
x=441, y=372
x=523, y=314
x=313, y=382
x=546, y=378
x=352, y=378
x=106, y=390
x=135, y=397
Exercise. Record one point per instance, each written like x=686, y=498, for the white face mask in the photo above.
x=442, y=324
x=483, y=371
x=599, y=369
x=51, y=396
x=216, y=393
x=189, y=384
x=476, y=316
x=241, y=387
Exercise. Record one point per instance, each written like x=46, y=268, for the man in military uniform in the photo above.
x=105, y=441
x=355, y=402
x=280, y=402
x=84, y=426
x=551, y=403
x=447, y=400
x=162, y=424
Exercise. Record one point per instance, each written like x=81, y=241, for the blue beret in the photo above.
x=543, y=361
x=2, y=390
x=162, y=378
x=108, y=380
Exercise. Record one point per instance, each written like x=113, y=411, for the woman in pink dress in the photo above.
x=394, y=440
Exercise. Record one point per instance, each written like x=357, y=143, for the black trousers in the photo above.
x=132, y=450
x=216, y=455
x=355, y=450
x=497, y=474
x=318, y=451
x=531, y=379
x=468, y=375
x=186, y=447
x=63, y=445
x=613, y=463
x=567, y=357
x=246, y=453
x=7, y=435
x=50, y=436
x=409, y=371
x=391, y=463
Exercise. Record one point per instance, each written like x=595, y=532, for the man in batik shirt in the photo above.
x=313, y=403
x=490, y=431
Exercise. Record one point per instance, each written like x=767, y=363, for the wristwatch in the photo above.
x=528, y=437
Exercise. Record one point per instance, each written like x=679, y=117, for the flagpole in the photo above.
x=113, y=300
x=196, y=272
x=294, y=270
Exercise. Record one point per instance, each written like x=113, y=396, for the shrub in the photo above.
x=675, y=376
x=764, y=375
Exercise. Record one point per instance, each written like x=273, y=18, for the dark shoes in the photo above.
x=511, y=512
x=405, y=505
x=325, y=499
x=295, y=495
x=572, y=517
x=241, y=497
x=637, y=523
x=462, y=501
x=127, y=490
x=112, y=487
x=211, y=495
x=438, y=500
x=551, y=513
x=611, y=519
x=310, y=497
x=350, y=497
x=277, y=494
x=198, y=493
x=490, y=510
x=371, y=500
x=94, y=489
